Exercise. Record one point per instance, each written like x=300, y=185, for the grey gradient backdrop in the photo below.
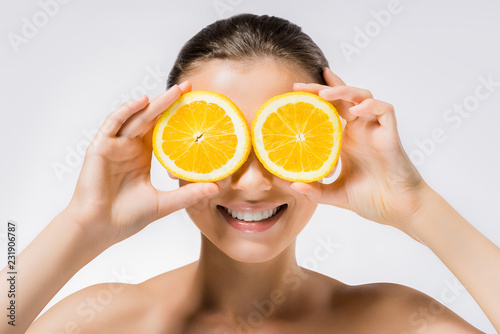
x=59, y=80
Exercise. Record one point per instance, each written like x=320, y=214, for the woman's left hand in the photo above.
x=377, y=180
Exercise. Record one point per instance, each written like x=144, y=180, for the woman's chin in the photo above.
x=246, y=251
x=251, y=258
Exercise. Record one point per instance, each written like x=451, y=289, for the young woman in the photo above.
x=249, y=282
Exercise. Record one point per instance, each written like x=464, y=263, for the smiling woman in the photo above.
x=247, y=279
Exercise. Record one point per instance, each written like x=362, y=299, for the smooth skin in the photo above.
x=239, y=275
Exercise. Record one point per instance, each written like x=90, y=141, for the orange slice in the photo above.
x=297, y=136
x=202, y=137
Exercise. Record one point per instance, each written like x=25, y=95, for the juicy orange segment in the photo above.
x=202, y=137
x=297, y=136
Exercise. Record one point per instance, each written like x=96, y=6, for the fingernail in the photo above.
x=212, y=192
x=138, y=99
x=183, y=85
x=297, y=190
x=355, y=108
x=300, y=84
x=326, y=91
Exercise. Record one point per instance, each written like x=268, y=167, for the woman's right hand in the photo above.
x=114, y=197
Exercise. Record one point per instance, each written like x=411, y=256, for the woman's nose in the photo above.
x=252, y=177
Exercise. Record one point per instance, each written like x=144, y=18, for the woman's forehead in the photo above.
x=248, y=84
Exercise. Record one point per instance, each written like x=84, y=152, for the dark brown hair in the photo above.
x=246, y=37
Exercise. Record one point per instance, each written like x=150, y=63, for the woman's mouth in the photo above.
x=252, y=221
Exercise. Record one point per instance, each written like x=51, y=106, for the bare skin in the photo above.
x=249, y=283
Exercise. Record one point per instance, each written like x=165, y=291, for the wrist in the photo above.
x=76, y=224
x=419, y=221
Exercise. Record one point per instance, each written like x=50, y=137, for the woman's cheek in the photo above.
x=304, y=210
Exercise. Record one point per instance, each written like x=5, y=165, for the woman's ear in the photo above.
x=172, y=176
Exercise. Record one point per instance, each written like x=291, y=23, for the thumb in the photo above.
x=331, y=194
x=171, y=201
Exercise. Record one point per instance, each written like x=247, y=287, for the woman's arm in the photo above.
x=45, y=266
x=470, y=256
x=379, y=182
x=113, y=200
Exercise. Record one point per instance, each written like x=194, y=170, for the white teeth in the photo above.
x=252, y=215
x=257, y=215
x=247, y=216
x=239, y=214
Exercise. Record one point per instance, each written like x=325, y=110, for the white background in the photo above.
x=92, y=55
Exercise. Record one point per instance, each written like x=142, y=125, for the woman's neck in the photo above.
x=249, y=291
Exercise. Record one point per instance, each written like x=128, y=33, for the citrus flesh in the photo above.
x=202, y=137
x=297, y=136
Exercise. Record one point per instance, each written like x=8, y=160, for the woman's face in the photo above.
x=252, y=187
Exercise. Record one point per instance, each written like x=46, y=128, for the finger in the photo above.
x=375, y=110
x=316, y=192
x=332, y=193
x=331, y=78
x=171, y=201
x=185, y=87
x=334, y=80
x=347, y=93
x=350, y=96
x=341, y=106
x=309, y=87
x=140, y=123
x=115, y=120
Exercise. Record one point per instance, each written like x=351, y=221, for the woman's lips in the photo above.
x=252, y=227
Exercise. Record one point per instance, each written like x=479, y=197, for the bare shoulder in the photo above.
x=101, y=308
x=395, y=308
x=148, y=307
